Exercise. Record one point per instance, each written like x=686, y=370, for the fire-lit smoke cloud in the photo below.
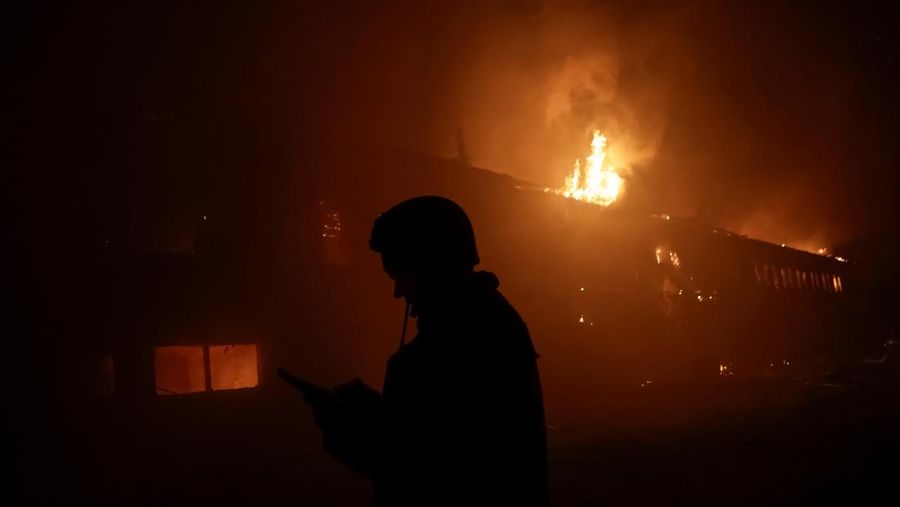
x=776, y=219
x=526, y=82
x=777, y=121
x=741, y=117
x=547, y=78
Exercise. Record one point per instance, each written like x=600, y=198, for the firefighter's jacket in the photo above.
x=461, y=419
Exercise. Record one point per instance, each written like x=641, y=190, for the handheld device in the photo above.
x=313, y=394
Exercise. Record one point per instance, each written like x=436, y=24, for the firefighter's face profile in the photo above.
x=404, y=286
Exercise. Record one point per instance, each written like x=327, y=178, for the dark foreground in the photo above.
x=757, y=443
x=725, y=442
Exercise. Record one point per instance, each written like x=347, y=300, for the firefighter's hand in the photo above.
x=352, y=400
x=324, y=415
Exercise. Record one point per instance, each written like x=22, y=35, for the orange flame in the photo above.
x=600, y=183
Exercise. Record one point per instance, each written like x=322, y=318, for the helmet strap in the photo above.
x=406, y=309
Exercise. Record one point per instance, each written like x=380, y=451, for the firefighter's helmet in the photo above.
x=425, y=234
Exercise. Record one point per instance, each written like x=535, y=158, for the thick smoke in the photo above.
x=777, y=121
x=544, y=81
x=740, y=116
x=526, y=83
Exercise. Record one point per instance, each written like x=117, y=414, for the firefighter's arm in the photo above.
x=349, y=426
x=427, y=425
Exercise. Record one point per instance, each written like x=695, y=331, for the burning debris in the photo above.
x=599, y=182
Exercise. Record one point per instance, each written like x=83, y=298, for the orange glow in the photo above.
x=663, y=253
x=233, y=366
x=179, y=370
x=183, y=369
x=598, y=183
x=673, y=258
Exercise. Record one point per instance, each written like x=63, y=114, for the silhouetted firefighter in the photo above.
x=461, y=417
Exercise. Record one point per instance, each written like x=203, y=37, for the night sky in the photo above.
x=773, y=120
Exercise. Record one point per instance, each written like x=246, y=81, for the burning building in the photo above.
x=648, y=297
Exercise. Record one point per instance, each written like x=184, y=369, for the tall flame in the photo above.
x=599, y=183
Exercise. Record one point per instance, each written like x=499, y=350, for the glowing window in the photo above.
x=183, y=369
x=785, y=279
x=233, y=366
x=179, y=370
x=798, y=279
x=834, y=283
x=840, y=284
